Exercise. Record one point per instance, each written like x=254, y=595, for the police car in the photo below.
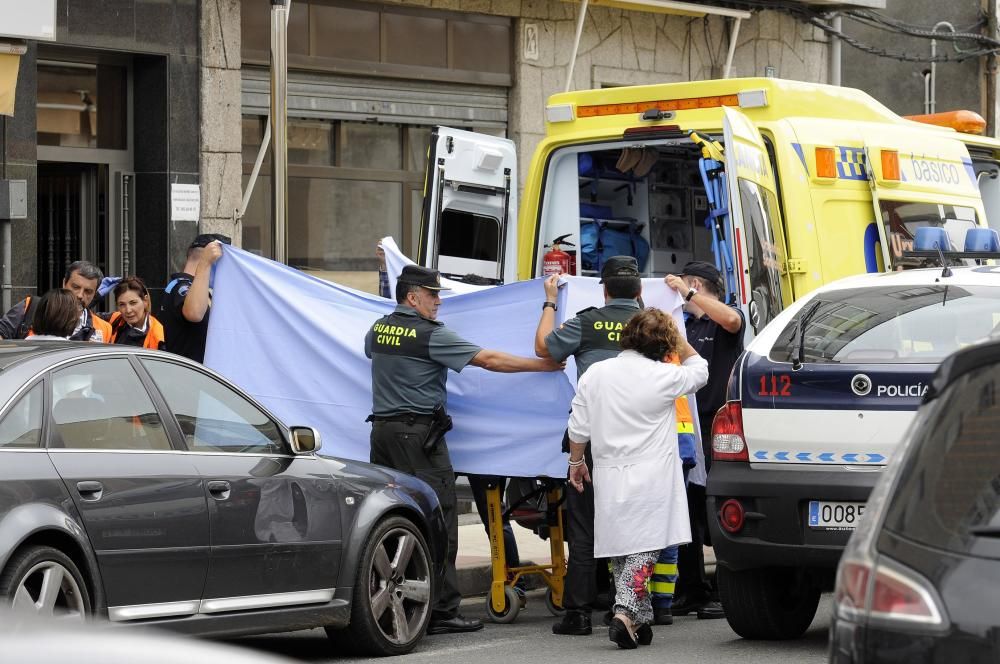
x=817, y=405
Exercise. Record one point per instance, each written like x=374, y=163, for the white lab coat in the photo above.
x=625, y=407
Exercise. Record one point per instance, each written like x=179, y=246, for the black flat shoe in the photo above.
x=619, y=633
x=644, y=635
x=454, y=625
x=663, y=616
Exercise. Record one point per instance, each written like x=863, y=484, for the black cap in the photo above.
x=206, y=239
x=620, y=266
x=705, y=271
x=418, y=275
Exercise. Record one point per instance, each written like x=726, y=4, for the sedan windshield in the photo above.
x=894, y=325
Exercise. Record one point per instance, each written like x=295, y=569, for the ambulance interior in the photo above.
x=646, y=200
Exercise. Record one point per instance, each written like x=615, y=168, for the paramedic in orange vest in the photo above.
x=132, y=324
x=82, y=279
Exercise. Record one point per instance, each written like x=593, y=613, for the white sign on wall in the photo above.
x=185, y=202
x=530, y=40
x=28, y=19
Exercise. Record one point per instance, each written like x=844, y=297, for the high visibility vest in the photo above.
x=686, y=440
x=155, y=338
x=98, y=323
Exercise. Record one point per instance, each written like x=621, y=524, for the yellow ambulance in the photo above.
x=783, y=185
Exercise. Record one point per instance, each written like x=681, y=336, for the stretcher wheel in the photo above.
x=553, y=608
x=511, y=606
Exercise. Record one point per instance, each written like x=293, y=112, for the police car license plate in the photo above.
x=834, y=516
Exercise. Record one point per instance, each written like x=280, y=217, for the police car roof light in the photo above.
x=982, y=239
x=929, y=238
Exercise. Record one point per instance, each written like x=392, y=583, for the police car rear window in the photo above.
x=949, y=492
x=889, y=325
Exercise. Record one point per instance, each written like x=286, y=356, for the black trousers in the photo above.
x=584, y=575
x=399, y=445
x=692, y=583
x=478, y=484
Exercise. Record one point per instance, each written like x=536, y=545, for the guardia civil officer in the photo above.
x=591, y=336
x=187, y=300
x=411, y=353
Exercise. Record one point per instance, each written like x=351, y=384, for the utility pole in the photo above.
x=279, y=122
x=990, y=67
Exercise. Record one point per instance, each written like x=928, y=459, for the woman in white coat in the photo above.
x=625, y=407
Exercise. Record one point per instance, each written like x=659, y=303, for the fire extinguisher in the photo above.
x=557, y=261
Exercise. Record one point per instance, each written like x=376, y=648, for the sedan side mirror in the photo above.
x=305, y=440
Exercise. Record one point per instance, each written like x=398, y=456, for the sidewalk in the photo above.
x=474, y=574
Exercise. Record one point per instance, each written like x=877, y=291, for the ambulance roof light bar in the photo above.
x=744, y=99
x=967, y=122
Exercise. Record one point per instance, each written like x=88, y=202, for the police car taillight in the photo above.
x=728, y=443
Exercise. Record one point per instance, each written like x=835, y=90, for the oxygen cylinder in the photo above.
x=555, y=260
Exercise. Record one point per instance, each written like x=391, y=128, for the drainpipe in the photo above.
x=279, y=122
x=835, y=59
x=932, y=97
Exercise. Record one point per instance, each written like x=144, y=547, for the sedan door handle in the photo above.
x=90, y=490
x=219, y=489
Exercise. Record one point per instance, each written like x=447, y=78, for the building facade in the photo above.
x=368, y=80
x=135, y=97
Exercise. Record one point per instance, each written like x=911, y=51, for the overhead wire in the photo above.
x=984, y=45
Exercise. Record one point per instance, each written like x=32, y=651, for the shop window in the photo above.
x=310, y=142
x=370, y=145
x=334, y=224
x=82, y=105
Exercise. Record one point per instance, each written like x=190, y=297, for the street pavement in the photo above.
x=529, y=639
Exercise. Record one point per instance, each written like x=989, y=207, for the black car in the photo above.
x=919, y=581
x=141, y=487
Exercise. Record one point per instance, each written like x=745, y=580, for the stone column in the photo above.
x=221, y=118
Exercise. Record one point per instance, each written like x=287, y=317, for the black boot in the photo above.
x=663, y=616
x=573, y=623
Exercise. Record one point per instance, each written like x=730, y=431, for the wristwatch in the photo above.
x=691, y=293
x=545, y=305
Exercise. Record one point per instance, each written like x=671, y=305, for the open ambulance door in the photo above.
x=918, y=178
x=468, y=224
x=758, y=242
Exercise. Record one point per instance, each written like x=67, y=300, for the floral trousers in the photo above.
x=632, y=575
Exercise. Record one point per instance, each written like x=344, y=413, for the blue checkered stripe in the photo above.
x=851, y=163
x=872, y=458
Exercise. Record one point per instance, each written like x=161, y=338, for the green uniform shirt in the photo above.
x=410, y=358
x=592, y=335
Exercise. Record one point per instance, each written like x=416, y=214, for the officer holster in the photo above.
x=438, y=424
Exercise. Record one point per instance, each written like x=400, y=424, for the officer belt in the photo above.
x=410, y=418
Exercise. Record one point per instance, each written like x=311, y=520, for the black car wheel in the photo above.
x=45, y=581
x=771, y=603
x=392, y=593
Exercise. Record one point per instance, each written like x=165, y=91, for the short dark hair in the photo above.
x=132, y=283
x=623, y=287
x=652, y=333
x=710, y=286
x=402, y=288
x=85, y=269
x=56, y=313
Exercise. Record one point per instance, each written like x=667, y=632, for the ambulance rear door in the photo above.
x=758, y=239
x=468, y=223
x=919, y=177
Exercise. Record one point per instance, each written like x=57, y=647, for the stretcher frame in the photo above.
x=503, y=602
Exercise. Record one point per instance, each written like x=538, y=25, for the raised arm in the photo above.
x=548, y=320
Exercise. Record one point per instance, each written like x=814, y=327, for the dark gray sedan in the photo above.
x=141, y=487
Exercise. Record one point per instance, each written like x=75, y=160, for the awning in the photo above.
x=8, y=82
x=659, y=7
